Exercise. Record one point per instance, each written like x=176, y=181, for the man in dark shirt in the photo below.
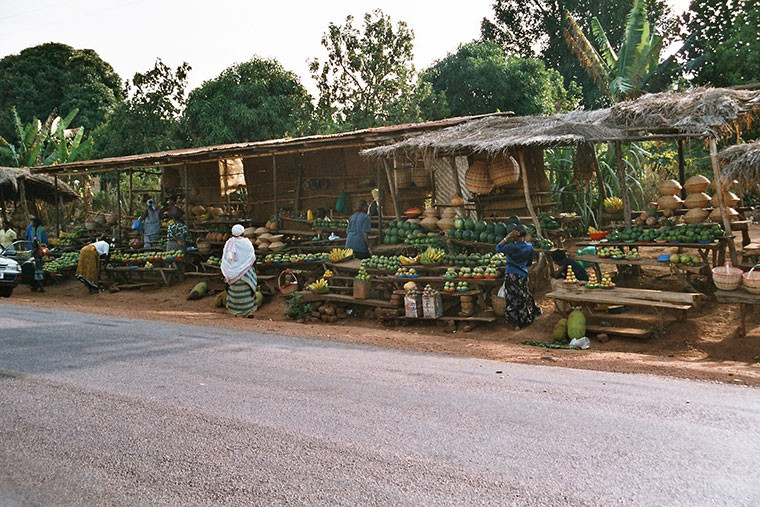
x=563, y=262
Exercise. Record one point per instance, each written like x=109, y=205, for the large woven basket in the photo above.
x=751, y=280
x=727, y=277
x=504, y=171
x=585, y=163
x=498, y=303
x=403, y=178
x=477, y=180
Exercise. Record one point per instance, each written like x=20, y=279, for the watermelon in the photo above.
x=483, y=238
x=576, y=324
x=451, y=232
x=392, y=224
x=458, y=223
x=491, y=238
x=490, y=227
x=514, y=220
x=469, y=224
x=480, y=227
x=500, y=230
x=467, y=235
x=458, y=234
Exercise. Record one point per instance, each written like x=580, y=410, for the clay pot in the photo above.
x=697, y=184
x=695, y=216
x=697, y=200
x=429, y=223
x=457, y=201
x=669, y=187
x=669, y=202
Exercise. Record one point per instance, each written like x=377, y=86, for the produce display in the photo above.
x=691, y=233
x=592, y=283
x=408, y=261
x=339, y=254
x=285, y=257
x=449, y=286
x=463, y=286
x=142, y=257
x=685, y=259
x=576, y=325
x=475, y=259
x=409, y=233
x=328, y=274
x=633, y=254
x=548, y=222
x=391, y=263
x=468, y=229
x=214, y=261
x=606, y=282
x=362, y=274
x=450, y=273
x=406, y=273
x=570, y=277
x=319, y=286
x=612, y=252
x=431, y=256
x=326, y=223
x=66, y=260
x=613, y=204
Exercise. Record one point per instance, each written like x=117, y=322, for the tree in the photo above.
x=249, y=101
x=368, y=78
x=56, y=76
x=148, y=120
x=533, y=28
x=726, y=49
x=480, y=78
x=631, y=71
x=45, y=143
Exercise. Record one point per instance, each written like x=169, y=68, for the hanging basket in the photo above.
x=477, y=180
x=585, y=163
x=420, y=176
x=504, y=171
x=403, y=178
x=287, y=287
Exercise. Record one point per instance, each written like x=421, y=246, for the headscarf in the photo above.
x=238, y=255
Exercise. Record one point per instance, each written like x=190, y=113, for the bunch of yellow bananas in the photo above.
x=431, y=256
x=320, y=285
x=338, y=254
x=328, y=274
x=593, y=230
x=407, y=261
x=613, y=203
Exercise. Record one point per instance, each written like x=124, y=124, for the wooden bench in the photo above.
x=738, y=297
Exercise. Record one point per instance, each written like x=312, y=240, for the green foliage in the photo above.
x=726, y=48
x=45, y=143
x=368, y=78
x=297, y=309
x=54, y=76
x=533, y=28
x=635, y=69
x=249, y=101
x=480, y=78
x=148, y=120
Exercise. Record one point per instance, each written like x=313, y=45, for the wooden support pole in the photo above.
x=130, y=208
x=721, y=202
x=457, y=184
x=3, y=211
x=526, y=191
x=391, y=188
x=602, y=189
x=299, y=182
x=379, y=207
x=621, y=172
x=22, y=198
x=187, y=193
x=118, y=205
x=57, y=208
x=274, y=185
x=681, y=168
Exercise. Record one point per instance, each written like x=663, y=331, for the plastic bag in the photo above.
x=582, y=343
x=137, y=225
x=502, y=291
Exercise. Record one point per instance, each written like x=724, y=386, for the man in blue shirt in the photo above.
x=358, y=228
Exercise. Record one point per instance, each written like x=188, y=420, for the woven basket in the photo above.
x=717, y=217
x=477, y=180
x=697, y=200
x=585, y=163
x=504, y=171
x=669, y=202
x=727, y=277
x=420, y=176
x=695, y=216
x=696, y=184
x=730, y=198
x=669, y=187
x=290, y=285
x=751, y=280
x=498, y=303
x=403, y=178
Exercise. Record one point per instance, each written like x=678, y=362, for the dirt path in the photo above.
x=706, y=348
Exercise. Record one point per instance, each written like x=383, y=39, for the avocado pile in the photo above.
x=692, y=233
x=410, y=233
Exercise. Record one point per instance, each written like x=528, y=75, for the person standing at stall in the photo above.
x=36, y=231
x=88, y=267
x=359, y=225
x=177, y=235
x=39, y=250
x=238, y=259
x=521, y=309
x=151, y=219
x=7, y=235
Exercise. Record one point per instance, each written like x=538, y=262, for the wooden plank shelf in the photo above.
x=340, y=298
x=625, y=332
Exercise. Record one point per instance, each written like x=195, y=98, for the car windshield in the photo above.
x=21, y=249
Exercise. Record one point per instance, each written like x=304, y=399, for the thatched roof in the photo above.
x=701, y=112
x=38, y=186
x=741, y=162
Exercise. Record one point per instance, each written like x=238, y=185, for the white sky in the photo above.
x=212, y=35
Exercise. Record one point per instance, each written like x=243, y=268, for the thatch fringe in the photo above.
x=38, y=186
x=741, y=162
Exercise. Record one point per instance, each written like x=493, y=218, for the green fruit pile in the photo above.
x=66, y=260
x=362, y=274
x=483, y=232
x=326, y=223
x=382, y=262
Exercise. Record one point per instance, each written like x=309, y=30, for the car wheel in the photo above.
x=5, y=292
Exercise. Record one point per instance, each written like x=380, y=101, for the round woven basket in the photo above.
x=696, y=184
x=697, y=200
x=727, y=277
x=420, y=177
x=403, y=178
x=669, y=187
x=477, y=180
x=730, y=198
x=504, y=171
x=669, y=202
x=751, y=280
x=498, y=303
x=696, y=216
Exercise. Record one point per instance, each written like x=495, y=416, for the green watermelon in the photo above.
x=458, y=234
x=491, y=238
x=480, y=227
x=392, y=224
x=451, y=232
x=514, y=220
x=483, y=238
x=467, y=235
x=469, y=224
x=458, y=223
x=490, y=227
x=500, y=230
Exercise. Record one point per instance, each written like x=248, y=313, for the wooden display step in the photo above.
x=340, y=298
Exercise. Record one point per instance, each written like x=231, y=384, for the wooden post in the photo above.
x=2, y=205
x=129, y=206
x=391, y=188
x=118, y=205
x=681, y=168
x=721, y=201
x=299, y=177
x=187, y=193
x=379, y=207
x=623, y=184
x=457, y=184
x=602, y=189
x=274, y=185
x=526, y=191
x=22, y=194
x=57, y=209
x=226, y=184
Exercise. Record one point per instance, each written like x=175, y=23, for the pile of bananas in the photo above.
x=338, y=254
x=613, y=203
x=431, y=256
x=408, y=261
x=328, y=274
x=319, y=286
x=593, y=230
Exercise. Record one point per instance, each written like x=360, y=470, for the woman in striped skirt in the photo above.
x=238, y=269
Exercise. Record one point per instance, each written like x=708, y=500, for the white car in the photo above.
x=10, y=274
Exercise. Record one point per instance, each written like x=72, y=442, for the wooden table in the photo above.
x=681, y=271
x=125, y=273
x=738, y=297
x=718, y=248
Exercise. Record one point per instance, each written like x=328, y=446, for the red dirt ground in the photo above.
x=706, y=348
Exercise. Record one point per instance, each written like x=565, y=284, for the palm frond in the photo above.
x=636, y=38
x=603, y=42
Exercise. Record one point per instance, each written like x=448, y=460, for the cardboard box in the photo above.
x=413, y=306
x=432, y=307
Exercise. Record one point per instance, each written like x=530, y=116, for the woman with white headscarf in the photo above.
x=238, y=259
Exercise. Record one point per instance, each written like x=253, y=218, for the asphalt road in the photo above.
x=95, y=410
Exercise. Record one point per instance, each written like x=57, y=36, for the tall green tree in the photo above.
x=56, y=76
x=148, y=120
x=368, y=78
x=726, y=48
x=480, y=78
x=249, y=101
x=533, y=28
x=631, y=70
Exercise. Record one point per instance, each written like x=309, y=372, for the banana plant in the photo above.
x=635, y=68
